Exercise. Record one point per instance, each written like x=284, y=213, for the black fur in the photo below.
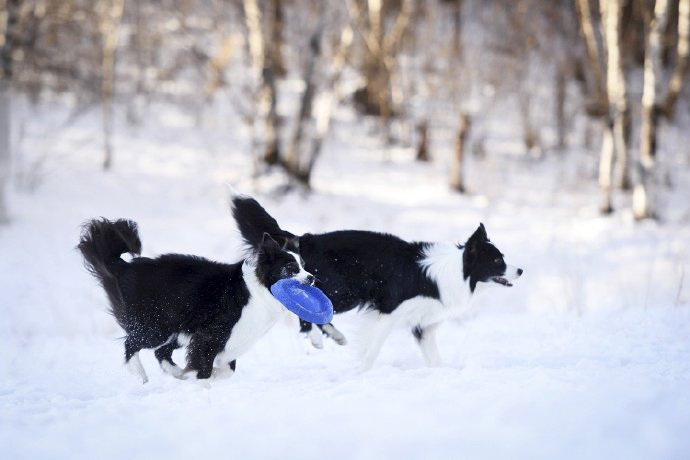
x=155, y=300
x=351, y=274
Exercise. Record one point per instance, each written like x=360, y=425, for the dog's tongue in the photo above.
x=502, y=281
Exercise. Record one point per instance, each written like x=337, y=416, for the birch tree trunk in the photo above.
x=618, y=98
x=616, y=127
x=265, y=77
x=111, y=17
x=255, y=43
x=6, y=70
x=643, y=197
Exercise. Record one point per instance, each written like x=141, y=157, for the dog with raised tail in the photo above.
x=416, y=285
x=217, y=310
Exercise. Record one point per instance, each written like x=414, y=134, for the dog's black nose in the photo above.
x=519, y=271
x=310, y=280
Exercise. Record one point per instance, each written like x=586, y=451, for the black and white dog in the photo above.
x=218, y=310
x=414, y=284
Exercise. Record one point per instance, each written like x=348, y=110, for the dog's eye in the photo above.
x=498, y=261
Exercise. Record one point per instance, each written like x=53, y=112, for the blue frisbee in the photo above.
x=306, y=301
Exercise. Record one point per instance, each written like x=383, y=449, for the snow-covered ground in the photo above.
x=587, y=356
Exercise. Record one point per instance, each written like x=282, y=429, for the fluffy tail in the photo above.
x=253, y=221
x=102, y=242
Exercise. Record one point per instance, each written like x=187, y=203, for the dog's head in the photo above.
x=483, y=262
x=274, y=263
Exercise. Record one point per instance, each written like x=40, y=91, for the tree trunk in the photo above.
x=326, y=101
x=265, y=77
x=560, y=96
x=6, y=71
x=299, y=167
x=616, y=128
x=269, y=98
x=643, y=198
x=680, y=70
x=423, y=141
x=530, y=134
x=275, y=51
x=110, y=27
x=5, y=148
x=457, y=181
x=606, y=169
x=599, y=102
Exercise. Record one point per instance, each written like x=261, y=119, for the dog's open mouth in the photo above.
x=502, y=281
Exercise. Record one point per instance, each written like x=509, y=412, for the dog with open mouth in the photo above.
x=416, y=285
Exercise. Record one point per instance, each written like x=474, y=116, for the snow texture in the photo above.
x=587, y=356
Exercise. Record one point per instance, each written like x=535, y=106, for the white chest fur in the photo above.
x=260, y=314
x=443, y=264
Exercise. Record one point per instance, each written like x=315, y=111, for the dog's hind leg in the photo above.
x=164, y=357
x=225, y=370
x=426, y=338
x=202, y=351
x=132, y=361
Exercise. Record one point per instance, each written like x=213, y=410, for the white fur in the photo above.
x=260, y=314
x=135, y=367
x=424, y=312
x=303, y=274
x=316, y=337
x=512, y=273
x=172, y=369
x=184, y=339
x=443, y=264
x=335, y=334
x=222, y=371
x=375, y=329
x=429, y=347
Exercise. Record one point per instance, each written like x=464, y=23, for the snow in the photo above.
x=587, y=356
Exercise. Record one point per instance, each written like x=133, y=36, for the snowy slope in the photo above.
x=586, y=357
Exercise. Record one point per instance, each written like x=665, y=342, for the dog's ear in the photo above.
x=269, y=246
x=471, y=252
x=479, y=236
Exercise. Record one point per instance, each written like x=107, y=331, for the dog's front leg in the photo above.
x=426, y=338
x=377, y=327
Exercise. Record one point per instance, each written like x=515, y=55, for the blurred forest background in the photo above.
x=445, y=79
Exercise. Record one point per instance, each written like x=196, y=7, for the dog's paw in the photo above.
x=335, y=334
x=316, y=338
x=222, y=372
x=173, y=370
